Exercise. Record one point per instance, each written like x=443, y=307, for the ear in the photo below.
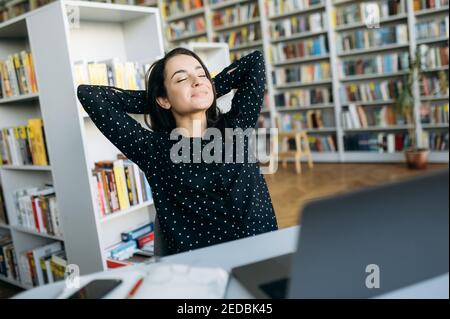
x=163, y=102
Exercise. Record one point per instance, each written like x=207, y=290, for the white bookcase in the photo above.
x=99, y=31
x=103, y=31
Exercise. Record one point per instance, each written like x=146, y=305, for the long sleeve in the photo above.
x=247, y=75
x=108, y=107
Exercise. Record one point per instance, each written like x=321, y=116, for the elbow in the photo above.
x=82, y=90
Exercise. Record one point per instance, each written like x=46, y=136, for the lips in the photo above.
x=199, y=93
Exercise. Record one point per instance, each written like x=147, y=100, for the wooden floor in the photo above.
x=290, y=191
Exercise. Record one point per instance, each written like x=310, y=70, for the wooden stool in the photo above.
x=301, y=149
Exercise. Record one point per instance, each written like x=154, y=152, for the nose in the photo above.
x=196, y=81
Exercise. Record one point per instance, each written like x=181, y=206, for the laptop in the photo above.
x=362, y=244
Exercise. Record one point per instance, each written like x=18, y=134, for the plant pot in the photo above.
x=417, y=158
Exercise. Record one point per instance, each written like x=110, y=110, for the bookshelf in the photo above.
x=220, y=18
x=338, y=23
x=13, y=8
x=330, y=21
x=433, y=45
x=74, y=144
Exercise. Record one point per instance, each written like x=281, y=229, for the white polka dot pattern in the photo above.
x=198, y=204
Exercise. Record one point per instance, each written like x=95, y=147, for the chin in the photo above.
x=202, y=105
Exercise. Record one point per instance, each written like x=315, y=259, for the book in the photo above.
x=136, y=233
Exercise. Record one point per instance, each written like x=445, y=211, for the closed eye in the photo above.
x=204, y=76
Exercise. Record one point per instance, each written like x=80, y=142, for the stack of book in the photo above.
x=178, y=7
x=433, y=56
x=429, y=4
x=304, y=97
x=434, y=114
x=37, y=210
x=311, y=119
x=288, y=27
x=305, y=73
x=16, y=8
x=360, y=117
x=186, y=27
x=43, y=265
x=433, y=28
x=300, y=49
x=24, y=145
x=322, y=143
x=377, y=142
x=372, y=38
x=278, y=7
x=8, y=261
x=112, y=72
x=17, y=75
x=136, y=241
x=357, y=12
x=234, y=15
x=244, y=35
x=376, y=64
x=370, y=91
x=434, y=84
x=119, y=185
x=435, y=141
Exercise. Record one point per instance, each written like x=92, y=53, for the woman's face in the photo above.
x=188, y=88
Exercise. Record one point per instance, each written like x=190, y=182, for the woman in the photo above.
x=202, y=203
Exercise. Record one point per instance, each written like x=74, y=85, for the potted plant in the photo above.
x=416, y=155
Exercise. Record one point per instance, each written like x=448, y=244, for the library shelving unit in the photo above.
x=79, y=30
x=180, y=15
x=273, y=14
x=337, y=81
x=215, y=27
x=12, y=8
x=418, y=16
x=294, y=28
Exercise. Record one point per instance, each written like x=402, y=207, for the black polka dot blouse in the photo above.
x=198, y=203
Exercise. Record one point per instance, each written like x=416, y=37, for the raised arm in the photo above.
x=248, y=76
x=108, y=107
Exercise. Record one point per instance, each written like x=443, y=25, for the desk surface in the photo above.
x=227, y=255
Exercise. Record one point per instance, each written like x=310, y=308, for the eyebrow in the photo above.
x=184, y=71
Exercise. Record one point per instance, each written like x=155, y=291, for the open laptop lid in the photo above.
x=400, y=229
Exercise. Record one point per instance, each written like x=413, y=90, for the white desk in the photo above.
x=248, y=250
x=226, y=255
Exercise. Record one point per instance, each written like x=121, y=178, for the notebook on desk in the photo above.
x=394, y=235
